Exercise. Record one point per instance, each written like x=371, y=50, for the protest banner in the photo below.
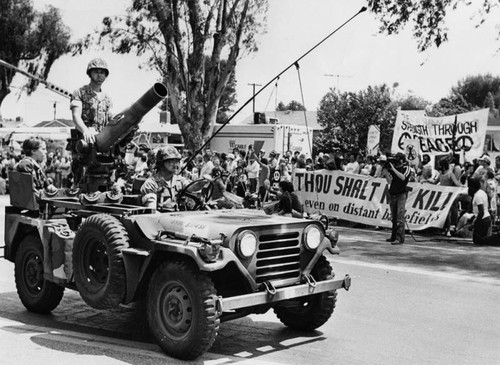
x=364, y=199
x=463, y=134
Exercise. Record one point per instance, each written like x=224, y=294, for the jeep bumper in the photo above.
x=290, y=292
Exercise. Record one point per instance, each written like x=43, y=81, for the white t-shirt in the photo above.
x=352, y=167
x=480, y=197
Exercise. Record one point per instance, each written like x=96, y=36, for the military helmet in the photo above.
x=167, y=153
x=97, y=63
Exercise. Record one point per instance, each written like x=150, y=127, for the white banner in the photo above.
x=437, y=136
x=364, y=199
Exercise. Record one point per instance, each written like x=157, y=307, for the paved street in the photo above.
x=430, y=301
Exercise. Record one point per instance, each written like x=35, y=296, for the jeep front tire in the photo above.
x=182, y=310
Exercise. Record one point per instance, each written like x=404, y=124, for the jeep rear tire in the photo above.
x=37, y=294
x=310, y=312
x=182, y=309
x=98, y=261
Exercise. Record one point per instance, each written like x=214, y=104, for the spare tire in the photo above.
x=98, y=261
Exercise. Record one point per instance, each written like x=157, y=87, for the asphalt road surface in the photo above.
x=430, y=301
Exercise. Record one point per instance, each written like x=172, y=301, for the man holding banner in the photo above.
x=397, y=197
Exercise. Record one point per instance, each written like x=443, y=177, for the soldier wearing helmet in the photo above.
x=90, y=106
x=160, y=190
x=91, y=110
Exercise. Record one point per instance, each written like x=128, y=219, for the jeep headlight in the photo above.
x=312, y=237
x=246, y=244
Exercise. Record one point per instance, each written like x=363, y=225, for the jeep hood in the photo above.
x=208, y=224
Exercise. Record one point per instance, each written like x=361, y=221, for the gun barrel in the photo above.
x=123, y=123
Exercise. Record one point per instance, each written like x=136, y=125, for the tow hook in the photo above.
x=271, y=290
x=310, y=280
x=218, y=305
x=347, y=282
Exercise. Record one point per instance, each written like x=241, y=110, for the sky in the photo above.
x=357, y=56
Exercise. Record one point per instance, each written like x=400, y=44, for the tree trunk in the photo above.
x=3, y=94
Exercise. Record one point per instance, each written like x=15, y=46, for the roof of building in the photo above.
x=289, y=117
x=56, y=123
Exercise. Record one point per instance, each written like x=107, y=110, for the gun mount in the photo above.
x=99, y=158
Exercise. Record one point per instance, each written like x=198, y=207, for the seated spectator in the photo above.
x=289, y=203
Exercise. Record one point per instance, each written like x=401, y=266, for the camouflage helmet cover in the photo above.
x=167, y=153
x=97, y=63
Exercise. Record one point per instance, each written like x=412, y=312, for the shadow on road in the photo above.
x=243, y=338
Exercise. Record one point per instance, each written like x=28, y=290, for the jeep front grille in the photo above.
x=278, y=257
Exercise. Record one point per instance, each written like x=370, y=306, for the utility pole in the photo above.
x=55, y=109
x=253, y=95
x=338, y=78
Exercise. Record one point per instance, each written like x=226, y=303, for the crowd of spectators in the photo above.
x=241, y=172
x=56, y=167
x=445, y=171
x=247, y=173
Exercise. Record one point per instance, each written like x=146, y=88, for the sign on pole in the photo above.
x=373, y=140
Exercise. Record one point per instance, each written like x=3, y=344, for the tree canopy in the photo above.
x=476, y=89
x=292, y=105
x=427, y=18
x=347, y=116
x=194, y=44
x=31, y=39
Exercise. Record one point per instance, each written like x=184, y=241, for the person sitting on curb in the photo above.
x=289, y=203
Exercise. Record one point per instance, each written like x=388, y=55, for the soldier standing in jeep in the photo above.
x=91, y=111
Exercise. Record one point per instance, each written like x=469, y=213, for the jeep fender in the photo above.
x=57, y=241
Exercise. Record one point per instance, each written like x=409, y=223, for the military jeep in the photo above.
x=194, y=269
